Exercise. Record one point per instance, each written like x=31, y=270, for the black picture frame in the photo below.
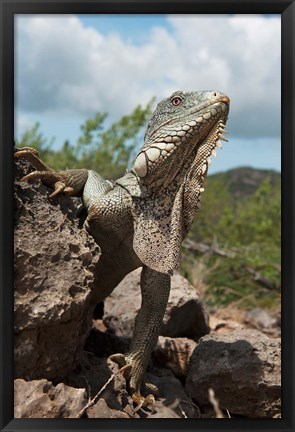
x=8, y=9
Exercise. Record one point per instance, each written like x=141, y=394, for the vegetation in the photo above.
x=247, y=228
x=240, y=215
x=107, y=150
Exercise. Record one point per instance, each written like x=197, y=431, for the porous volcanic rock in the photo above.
x=244, y=370
x=53, y=275
x=102, y=410
x=185, y=315
x=41, y=399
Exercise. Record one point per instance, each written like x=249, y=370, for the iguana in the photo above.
x=141, y=219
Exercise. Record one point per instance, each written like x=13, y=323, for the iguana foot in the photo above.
x=68, y=182
x=144, y=402
x=32, y=156
x=127, y=371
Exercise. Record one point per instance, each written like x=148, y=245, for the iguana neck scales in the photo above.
x=142, y=218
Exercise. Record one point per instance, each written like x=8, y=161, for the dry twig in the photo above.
x=214, y=401
x=95, y=399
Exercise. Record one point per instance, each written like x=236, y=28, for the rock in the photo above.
x=185, y=315
x=264, y=321
x=224, y=326
x=54, y=265
x=173, y=401
x=102, y=410
x=40, y=399
x=174, y=353
x=92, y=373
x=244, y=370
x=226, y=319
x=115, y=401
x=103, y=344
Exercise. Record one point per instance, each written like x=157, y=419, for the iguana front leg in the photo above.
x=69, y=182
x=155, y=289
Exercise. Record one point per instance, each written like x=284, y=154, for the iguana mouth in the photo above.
x=224, y=99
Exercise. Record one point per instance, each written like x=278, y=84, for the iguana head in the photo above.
x=183, y=131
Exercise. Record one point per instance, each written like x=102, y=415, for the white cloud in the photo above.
x=22, y=122
x=64, y=67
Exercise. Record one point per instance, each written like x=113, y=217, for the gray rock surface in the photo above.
x=41, y=399
x=102, y=410
x=264, y=321
x=185, y=315
x=54, y=264
x=244, y=370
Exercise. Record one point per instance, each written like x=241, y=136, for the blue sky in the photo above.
x=135, y=28
x=69, y=67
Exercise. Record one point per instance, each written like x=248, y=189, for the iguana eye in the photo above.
x=176, y=101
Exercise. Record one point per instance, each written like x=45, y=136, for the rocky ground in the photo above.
x=62, y=346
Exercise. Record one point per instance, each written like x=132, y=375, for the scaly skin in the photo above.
x=141, y=219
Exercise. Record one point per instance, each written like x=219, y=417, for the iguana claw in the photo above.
x=144, y=402
x=55, y=180
x=25, y=150
x=126, y=370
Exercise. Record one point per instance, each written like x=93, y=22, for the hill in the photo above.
x=244, y=181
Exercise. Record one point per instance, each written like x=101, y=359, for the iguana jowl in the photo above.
x=141, y=219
